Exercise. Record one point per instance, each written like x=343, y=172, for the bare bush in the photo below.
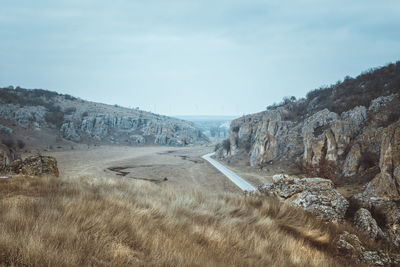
x=20, y=144
x=9, y=142
x=70, y=110
x=56, y=118
x=226, y=144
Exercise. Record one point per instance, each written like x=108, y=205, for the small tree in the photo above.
x=20, y=144
x=226, y=144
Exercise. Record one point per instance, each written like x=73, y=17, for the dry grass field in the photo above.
x=88, y=217
x=108, y=222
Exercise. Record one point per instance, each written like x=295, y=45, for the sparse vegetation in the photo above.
x=20, y=144
x=346, y=94
x=9, y=142
x=236, y=129
x=55, y=117
x=70, y=110
x=217, y=146
x=82, y=222
x=226, y=145
x=27, y=97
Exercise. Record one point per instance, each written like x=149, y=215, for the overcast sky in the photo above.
x=183, y=57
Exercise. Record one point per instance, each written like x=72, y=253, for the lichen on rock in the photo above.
x=314, y=195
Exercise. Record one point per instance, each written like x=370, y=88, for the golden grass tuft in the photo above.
x=86, y=221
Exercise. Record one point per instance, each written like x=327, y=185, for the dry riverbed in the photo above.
x=172, y=165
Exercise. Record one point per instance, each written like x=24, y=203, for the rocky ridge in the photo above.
x=348, y=133
x=87, y=122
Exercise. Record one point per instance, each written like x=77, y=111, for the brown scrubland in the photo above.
x=82, y=221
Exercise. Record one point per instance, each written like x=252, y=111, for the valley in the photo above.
x=182, y=167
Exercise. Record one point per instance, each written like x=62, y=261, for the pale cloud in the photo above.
x=186, y=57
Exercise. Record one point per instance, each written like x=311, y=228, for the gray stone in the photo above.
x=137, y=139
x=349, y=245
x=6, y=130
x=68, y=131
x=6, y=156
x=364, y=221
x=396, y=175
x=315, y=195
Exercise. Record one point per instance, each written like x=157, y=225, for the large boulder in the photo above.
x=365, y=222
x=33, y=166
x=350, y=246
x=385, y=211
x=315, y=195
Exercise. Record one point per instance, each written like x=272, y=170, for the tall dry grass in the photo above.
x=87, y=221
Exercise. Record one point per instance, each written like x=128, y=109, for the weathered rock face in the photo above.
x=82, y=121
x=364, y=221
x=23, y=116
x=5, y=129
x=384, y=209
x=6, y=156
x=266, y=137
x=315, y=195
x=349, y=245
x=68, y=131
x=33, y=166
x=120, y=129
x=342, y=146
x=137, y=139
x=386, y=184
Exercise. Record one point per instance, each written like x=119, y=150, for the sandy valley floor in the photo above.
x=180, y=166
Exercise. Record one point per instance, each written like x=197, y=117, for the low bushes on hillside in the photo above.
x=347, y=94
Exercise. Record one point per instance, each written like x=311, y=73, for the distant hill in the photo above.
x=212, y=126
x=39, y=117
x=207, y=118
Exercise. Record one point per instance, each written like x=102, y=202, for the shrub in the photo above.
x=20, y=144
x=69, y=97
x=9, y=142
x=55, y=118
x=70, y=110
x=226, y=144
x=217, y=147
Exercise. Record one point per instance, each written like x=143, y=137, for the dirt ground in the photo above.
x=178, y=166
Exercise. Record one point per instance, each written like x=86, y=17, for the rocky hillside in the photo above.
x=41, y=114
x=349, y=133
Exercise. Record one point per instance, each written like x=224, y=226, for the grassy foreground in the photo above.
x=79, y=222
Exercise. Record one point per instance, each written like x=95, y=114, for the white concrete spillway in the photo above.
x=236, y=179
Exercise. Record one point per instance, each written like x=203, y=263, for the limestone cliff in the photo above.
x=345, y=132
x=349, y=133
x=88, y=122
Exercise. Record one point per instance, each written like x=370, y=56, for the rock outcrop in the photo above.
x=6, y=156
x=315, y=195
x=342, y=147
x=338, y=132
x=350, y=246
x=82, y=121
x=32, y=166
x=365, y=222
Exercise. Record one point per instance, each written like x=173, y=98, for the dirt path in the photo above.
x=177, y=166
